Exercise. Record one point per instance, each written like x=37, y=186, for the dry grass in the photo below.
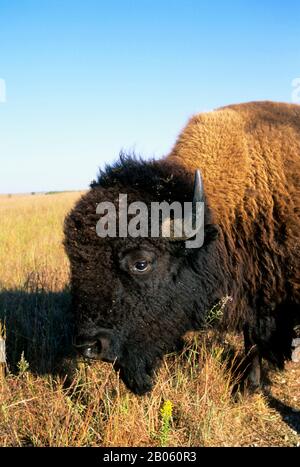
x=191, y=404
x=30, y=239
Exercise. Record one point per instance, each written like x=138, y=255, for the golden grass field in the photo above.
x=47, y=398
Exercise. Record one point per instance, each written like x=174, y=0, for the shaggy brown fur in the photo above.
x=249, y=157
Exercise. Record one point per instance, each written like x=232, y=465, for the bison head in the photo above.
x=134, y=298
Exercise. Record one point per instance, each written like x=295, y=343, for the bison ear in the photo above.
x=211, y=233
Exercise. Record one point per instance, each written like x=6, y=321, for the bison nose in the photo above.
x=98, y=348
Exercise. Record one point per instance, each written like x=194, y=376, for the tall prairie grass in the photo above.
x=49, y=398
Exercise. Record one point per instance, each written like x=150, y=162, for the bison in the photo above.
x=134, y=298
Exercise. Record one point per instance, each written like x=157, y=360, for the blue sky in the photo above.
x=85, y=79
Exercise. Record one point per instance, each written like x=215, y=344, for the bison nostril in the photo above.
x=88, y=352
x=92, y=351
x=100, y=346
x=78, y=344
x=96, y=349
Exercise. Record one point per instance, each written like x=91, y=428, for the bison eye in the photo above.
x=141, y=266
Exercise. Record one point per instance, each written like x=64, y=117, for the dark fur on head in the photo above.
x=148, y=315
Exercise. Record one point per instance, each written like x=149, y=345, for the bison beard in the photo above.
x=249, y=158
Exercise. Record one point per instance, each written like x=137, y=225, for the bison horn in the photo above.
x=198, y=197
